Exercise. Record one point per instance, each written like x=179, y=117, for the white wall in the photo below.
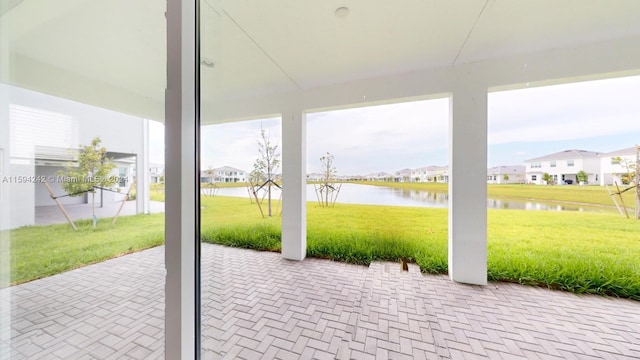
x=42, y=197
x=589, y=165
x=610, y=173
x=118, y=132
x=5, y=202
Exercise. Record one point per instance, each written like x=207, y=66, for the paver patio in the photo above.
x=257, y=305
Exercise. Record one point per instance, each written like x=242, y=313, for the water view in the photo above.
x=380, y=195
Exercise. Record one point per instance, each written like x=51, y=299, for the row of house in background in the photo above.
x=563, y=167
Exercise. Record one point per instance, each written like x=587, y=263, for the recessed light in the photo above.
x=342, y=12
x=207, y=62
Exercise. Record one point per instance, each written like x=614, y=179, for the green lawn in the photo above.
x=39, y=251
x=575, y=251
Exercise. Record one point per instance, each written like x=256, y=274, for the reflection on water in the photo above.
x=379, y=195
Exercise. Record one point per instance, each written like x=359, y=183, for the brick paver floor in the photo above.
x=257, y=305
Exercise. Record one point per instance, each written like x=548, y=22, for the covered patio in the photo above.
x=260, y=59
x=258, y=305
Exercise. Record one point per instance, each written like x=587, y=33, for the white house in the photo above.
x=403, y=175
x=563, y=167
x=156, y=173
x=432, y=173
x=419, y=174
x=614, y=164
x=225, y=174
x=506, y=175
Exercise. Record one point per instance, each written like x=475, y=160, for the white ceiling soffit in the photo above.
x=515, y=27
x=312, y=46
x=112, y=53
x=107, y=53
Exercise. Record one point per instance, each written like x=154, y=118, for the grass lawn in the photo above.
x=40, y=251
x=574, y=251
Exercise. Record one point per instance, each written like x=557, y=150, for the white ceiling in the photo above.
x=112, y=53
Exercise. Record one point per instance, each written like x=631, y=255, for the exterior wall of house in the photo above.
x=534, y=177
x=156, y=174
x=430, y=174
x=563, y=169
x=5, y=202
x=77, y=124
x=498, y=178
x=611, y=170
x=515, y=175
x=223, y=175
x=230, y=176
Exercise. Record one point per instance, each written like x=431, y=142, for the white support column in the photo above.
x=294, y=185
x=5, y=203
x=180, y=197
x=142, y=172
x=468, y=184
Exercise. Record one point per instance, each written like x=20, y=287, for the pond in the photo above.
x=380, y=195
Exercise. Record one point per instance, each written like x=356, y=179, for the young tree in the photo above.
x=547, y=178
x=632, y=175
x=628, y=177
x=91, y=172
x=328, y=174
x=267, y=164
x=505, y=177
x=582, y=177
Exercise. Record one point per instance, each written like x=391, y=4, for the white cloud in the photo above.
x=392, y=137
x=236, y=144
x=378, y=138
x=565, y=112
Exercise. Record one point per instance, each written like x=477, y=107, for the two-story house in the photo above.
x=615, y=164
x=431, y=174
x=564, y=166
x=226, y=174
x=403, y=175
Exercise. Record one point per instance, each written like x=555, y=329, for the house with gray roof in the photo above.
x=515, y=174
x=226, y=174
x=403, y=175
x=564, y=166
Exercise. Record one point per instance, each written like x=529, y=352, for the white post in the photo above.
x=142, y=172
x=5, y=203
x=180, y=196
x=294, y=191
x=467, y=184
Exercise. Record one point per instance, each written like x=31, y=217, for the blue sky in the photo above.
x=599, y=116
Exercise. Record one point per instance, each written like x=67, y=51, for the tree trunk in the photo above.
x=93, y=207
x=326, y=196
x=269, y=197
x=637, y=182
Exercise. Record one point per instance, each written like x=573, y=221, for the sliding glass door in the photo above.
x=81, y=179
